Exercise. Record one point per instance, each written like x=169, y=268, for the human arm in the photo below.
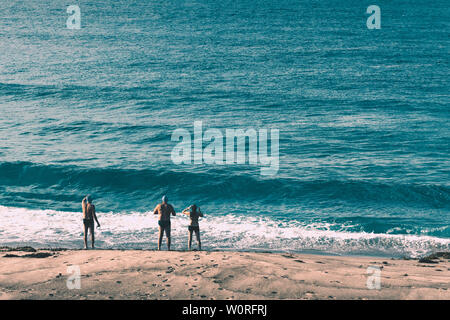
x=83, y=206
x=95, y=216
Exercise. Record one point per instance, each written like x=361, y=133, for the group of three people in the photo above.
x=164, y=210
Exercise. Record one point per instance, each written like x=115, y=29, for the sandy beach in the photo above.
x=136, y=274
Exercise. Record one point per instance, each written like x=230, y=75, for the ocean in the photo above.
x=363, y=119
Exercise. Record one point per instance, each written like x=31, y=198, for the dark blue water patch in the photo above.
x=77, y=92
x=220, y=185
x=118, y=129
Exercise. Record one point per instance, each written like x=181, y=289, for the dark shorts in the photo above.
x=192, y=228
x=164, y=224
x=89, y=223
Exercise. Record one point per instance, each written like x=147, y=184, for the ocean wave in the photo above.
x=215, y=184
x=138, y=230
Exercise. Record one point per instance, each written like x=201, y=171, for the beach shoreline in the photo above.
x=28, y=273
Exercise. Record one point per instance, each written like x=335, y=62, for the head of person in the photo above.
x=194, y=207
x=89, y=198
x=165, y=199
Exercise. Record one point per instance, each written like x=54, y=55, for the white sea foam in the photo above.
x=47, y=228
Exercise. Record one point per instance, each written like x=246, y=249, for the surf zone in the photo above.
x=235, y=146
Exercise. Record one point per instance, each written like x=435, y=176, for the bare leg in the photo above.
x=92, y=236
x=168, y=237
x=190, y=240
x=197, y=233
x=85, y=236
x=161, y=233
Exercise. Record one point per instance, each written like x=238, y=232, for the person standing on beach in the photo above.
x=164, y=210
x=88, y=219
x=194, y=212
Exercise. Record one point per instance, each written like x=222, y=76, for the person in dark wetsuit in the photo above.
x=88, y=219
x=194, y=212
x=164, y=210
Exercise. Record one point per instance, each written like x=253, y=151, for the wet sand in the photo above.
x=139, y=274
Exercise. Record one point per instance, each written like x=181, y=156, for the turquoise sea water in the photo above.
x=363, y=117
